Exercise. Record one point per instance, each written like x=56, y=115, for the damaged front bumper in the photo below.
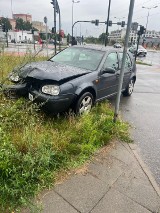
x=15, y=91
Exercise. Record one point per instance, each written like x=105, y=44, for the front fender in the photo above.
x=85, y=86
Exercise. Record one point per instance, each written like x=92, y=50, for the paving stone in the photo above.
x=83, y=192
x=115, y=202
x=53, y=203
x=121, y=152
x=140, y=192
x=107, y=170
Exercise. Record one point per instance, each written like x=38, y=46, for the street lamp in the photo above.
x=73, y=2
x=119, y=18
x=148, y=8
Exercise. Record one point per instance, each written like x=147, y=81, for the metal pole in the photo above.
x=7, y=37
x=106, y=37
x=59, y=30
x=72, y=20
x=147, y=20
x=47, y=39
x=137, y=46
x=131, y=7
x=55, y=39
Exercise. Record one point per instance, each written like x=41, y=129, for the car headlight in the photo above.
x=51, y=89
x=14, y=77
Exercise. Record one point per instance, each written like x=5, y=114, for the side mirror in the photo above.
x=109, y=70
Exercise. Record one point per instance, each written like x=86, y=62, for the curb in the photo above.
x=144, y=167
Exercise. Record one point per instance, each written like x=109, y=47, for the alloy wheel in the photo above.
x=85, y=105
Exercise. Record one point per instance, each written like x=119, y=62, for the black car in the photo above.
x=76, y=78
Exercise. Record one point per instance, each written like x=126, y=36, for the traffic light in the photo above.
x=53, y=30
x=142, y=30
x=134, y=26
x=3, y=28
x=55, y=3
x=110, y=23
x=96, y=22
x=122, y=23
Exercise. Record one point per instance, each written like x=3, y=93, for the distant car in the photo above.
x=76, y=78
x=117, y=45
x=140, y=52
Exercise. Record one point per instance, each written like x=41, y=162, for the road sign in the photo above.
x=45, y=20
x=134, y=26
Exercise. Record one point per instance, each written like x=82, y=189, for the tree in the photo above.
x=112, y=42
x=6, y=22
x=23, y=25
x=102, y=38
x=27, y=25
x=91, y=40
x=19, y=24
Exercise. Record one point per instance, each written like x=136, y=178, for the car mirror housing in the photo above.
x=109, y=70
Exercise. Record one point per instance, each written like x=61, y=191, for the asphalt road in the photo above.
x=142, y=111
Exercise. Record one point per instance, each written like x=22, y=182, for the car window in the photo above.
x=80, y=57
x=128, y=63
x=67, y=56
x=84, y=57
x=111, y=61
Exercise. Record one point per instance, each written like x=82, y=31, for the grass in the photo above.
x=35, y=147
x=143, y=63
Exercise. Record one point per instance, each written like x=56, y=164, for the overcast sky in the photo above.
x=85, y=10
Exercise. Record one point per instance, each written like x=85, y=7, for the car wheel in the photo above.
x=129, y=90
x=84, y=103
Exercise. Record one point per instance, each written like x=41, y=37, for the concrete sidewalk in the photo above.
x=116, y=181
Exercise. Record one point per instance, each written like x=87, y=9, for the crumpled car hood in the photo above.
x=48, y=70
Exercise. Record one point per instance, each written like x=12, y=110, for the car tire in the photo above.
x=129, y=90
x=84, y=103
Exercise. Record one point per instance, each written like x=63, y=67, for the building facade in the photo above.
x=119, y=35
x=20, y=36
x=25, y=17
x=39, y=26
x=150, y=36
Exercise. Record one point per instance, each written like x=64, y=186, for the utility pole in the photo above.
x=130, y=15
x=139, y=35
x=45, y=21
x=73, y=2
x=106, y=37
x=7, y=37
x=59, y=30
x=55, y=36
x=148, y=8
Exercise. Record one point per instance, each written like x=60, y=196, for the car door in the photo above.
x=108, y=81
x=128, y=69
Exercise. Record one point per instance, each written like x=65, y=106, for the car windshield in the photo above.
x=80, y=57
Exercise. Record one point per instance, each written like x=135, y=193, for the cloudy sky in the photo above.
x=85, y=10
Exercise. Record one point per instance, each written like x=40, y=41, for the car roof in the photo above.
x=97, y=47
